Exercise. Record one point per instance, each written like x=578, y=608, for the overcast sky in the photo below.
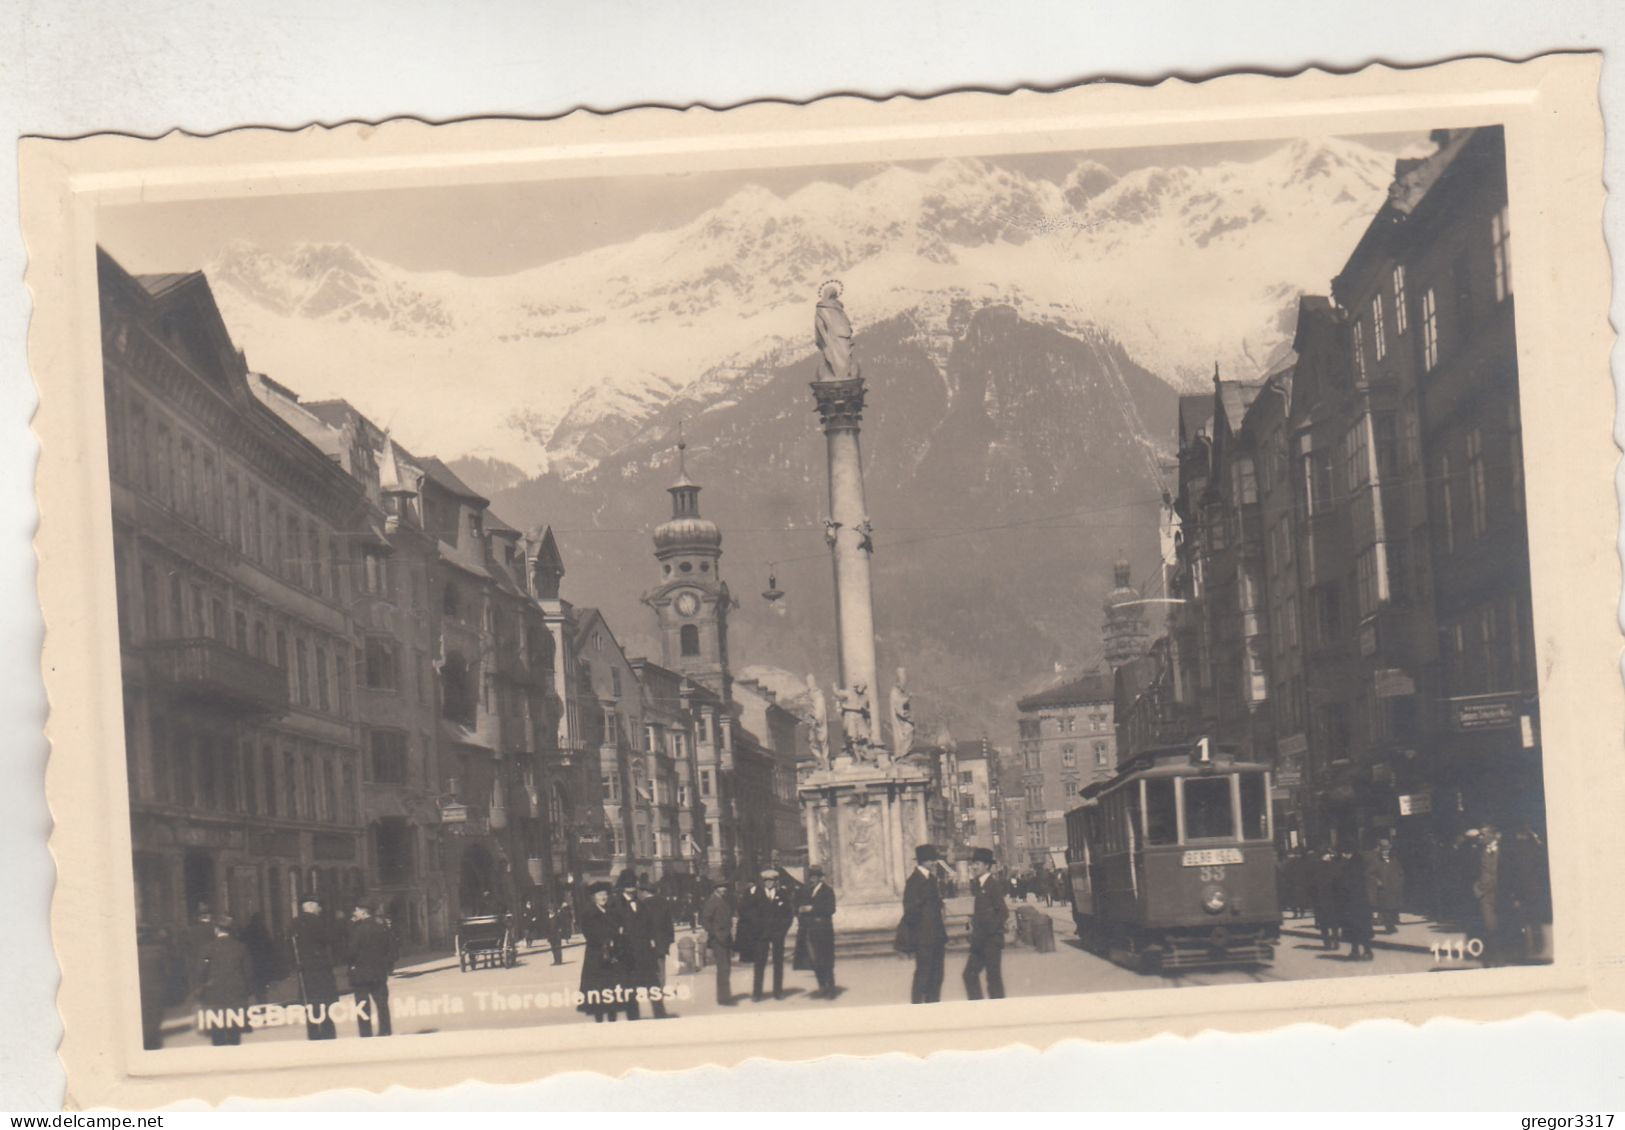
x=500, y=229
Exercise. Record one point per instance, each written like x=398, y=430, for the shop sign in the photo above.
x=1417, y=804
x=1483, y=712
x=1292, y=745
x=1391, y=682
x=1289, y=778
x=453, y=813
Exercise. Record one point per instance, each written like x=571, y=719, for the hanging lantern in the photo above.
x=773, y=594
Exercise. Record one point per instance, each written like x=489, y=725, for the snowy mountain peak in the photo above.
x=1180, y=264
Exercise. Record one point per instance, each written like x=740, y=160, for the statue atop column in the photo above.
x=832, y=332
x=902, y=716
x=819, y=736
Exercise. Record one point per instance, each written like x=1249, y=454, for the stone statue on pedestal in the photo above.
x=832, y=331
x=819, y=737
x=855, y=717
x=902, y=716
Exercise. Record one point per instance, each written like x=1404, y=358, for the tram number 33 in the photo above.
x=1458, y=949
x=1210, y=874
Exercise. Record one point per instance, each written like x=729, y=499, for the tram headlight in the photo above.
x=1214, y=899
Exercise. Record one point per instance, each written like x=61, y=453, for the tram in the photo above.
x=1172, y=862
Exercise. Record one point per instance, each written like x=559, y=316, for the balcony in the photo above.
x=208, y=673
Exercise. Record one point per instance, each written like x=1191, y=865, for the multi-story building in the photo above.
x=391, y=565
x=974, y=794
x=1445, y=258
x=571, y=783
x=1067, y=741
x=231, y=540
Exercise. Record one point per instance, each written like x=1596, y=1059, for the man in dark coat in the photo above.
x=1355, y=905
x=372, y=960
x=817, y=925
x=314, y=956
x=663, y=926
x=553, y=921
x=1385, y=883
x=226, y=981
x=638, y=954
x=923, y=930
x=770, y=910
x=988, y=915
x=1326, y=898
x=717, y=917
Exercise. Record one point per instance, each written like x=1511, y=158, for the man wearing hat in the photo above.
x=817, y=911
x=987, y=918
x=718, y=919
x=226, y=981
x=314, y=955
x=923, y=928
x=769, y=911
x=372, y=960
x=639, y=955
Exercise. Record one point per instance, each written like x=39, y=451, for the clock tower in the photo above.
x=691, y=602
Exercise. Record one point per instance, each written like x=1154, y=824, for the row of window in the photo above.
x=266, y=774
x=179, y=469
x=1500, y=240
x=178, y=607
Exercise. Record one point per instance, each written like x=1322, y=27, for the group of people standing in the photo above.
x=754, y=926
x=1495, y=888
x=923, y=931
x=628, y=931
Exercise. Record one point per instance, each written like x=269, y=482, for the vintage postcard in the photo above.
x=849, y=578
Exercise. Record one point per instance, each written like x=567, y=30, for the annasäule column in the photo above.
x=839, y=392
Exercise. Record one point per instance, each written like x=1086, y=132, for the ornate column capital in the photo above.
x=840, y=403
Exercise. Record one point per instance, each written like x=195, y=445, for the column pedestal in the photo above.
x=862, y=816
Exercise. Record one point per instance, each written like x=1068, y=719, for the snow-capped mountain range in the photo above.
x=558, y=366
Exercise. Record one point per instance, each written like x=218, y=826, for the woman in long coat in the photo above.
x=1385, y=883
x=1356, y=906
x=600, y=972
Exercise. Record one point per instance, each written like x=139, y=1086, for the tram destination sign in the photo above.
x=1210, y=857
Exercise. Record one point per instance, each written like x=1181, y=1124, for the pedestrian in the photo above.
x=663, y=927
x=314, y=956
x=553, y=916
x=1325, y=894
x=261, y=954
x=1354, y=905
x=1526, y=889
x=600, y=975
x=717, y=917
x=1385, y=884
x=196, y=939
x=373, y=953
x=637, y=944
x=225, y=983
x=922, y=931
x=1303, y=879
x=817, y=928
x=567, y=912
x=770, y=910
x=987, y=919
x=528, y=916
x=1486, y=890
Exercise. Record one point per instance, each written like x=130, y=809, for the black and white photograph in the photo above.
x=588, y=600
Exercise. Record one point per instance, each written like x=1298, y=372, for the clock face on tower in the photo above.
x=687, y=603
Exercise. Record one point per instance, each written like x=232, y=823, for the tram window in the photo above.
x=1161, y=822
x=1255, y=807
x=1207, y=809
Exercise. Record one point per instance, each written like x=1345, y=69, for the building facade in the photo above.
x=1066, y=741
x=231, y=539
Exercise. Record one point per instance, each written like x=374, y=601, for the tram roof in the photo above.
x=1173, y=761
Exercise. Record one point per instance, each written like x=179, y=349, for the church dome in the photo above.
x=687, y=533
